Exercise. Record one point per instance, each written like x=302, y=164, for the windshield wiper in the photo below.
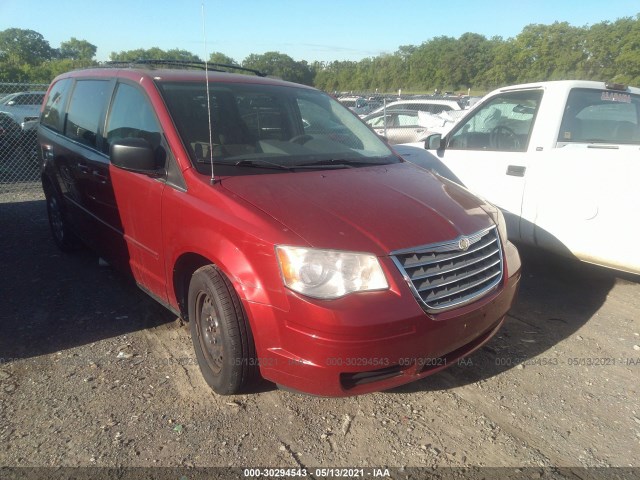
x=312, y=165
x=336, y=162
x=261, y=164
x=328, y=163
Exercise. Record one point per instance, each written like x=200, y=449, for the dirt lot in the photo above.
x=94, y=373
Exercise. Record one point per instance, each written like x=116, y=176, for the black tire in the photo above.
x=63, y=235
x=220, y=332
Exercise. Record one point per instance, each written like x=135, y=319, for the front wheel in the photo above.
x=220, y=332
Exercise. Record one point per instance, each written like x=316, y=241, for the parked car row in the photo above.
x=429, y=105
x=361, y=106
x=408, y=119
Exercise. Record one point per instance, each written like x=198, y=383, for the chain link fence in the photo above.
x=19, y=153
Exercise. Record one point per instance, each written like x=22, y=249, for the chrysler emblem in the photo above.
x=463, y=244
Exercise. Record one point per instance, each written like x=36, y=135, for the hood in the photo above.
x=369, y=209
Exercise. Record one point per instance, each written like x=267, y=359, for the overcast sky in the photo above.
x=309, y=30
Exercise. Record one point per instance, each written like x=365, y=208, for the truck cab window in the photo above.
x=503, y=124
x=600, y=116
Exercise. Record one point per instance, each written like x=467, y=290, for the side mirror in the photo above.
x=434, y=142
x=137, y=155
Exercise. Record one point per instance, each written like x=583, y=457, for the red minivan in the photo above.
x=294, y=241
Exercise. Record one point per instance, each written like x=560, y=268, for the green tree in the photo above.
x=503, y=68
x=473, y=56
x=428, y=64
x=325, y=77
x=550, y=52
x=280, y=65
x=627, y=62
x=153, y=53
x=13, y=73
x=363, y=75
x=19, y=47
x=75, y=49
x=219, y=57
x=389, y=73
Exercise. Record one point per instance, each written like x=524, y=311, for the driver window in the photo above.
x=503, y=124
x=131, y=116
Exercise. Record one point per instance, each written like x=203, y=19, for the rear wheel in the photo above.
x=220, y=332
x=63, y=235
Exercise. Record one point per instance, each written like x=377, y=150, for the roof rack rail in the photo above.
x=218, y=67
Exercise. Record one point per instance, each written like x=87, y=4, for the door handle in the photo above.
x=83, y=168
x=47, y=152
x=100, y=176
x=516, y=170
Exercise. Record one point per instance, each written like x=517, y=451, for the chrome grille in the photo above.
x=446, y=275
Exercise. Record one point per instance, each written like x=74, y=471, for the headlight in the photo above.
x=329, y=273
x=502, y=225
x=498, y=218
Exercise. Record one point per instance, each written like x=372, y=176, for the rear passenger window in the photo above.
x=601, y=116
x=131, y=116
x=53, y=112
x=85, y=111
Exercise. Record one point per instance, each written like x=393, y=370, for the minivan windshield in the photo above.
x=269, y=127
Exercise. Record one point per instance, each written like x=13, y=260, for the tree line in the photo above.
x=607, y=51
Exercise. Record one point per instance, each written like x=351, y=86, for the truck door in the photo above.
x=489, y=151
x=583, y=193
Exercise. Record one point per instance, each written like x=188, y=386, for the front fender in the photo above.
x=231, y=234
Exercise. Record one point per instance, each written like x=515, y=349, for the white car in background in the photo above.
x=397, y=126
x=24, y=107
x=561, y=160
x=430, y=105
x=433, y=115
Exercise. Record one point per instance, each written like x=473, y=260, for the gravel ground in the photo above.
x=95, y=373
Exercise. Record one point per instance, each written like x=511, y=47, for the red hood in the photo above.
x=368, y=209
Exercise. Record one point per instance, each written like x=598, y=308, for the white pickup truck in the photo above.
x=562, y=161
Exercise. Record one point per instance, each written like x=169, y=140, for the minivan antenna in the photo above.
x=206, y=77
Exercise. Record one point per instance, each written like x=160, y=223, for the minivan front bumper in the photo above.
x=373, y=341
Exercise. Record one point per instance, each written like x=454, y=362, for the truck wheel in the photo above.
x=63, y=235
x=220, y=332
